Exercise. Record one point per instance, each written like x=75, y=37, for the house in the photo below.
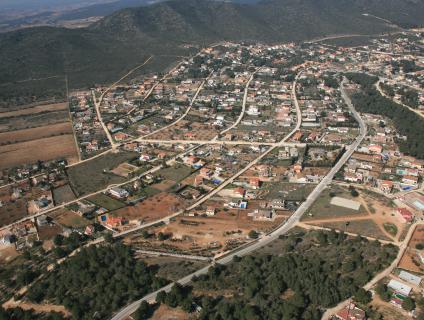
x=255, y=183
x=89, y=230
x=119, y=192
x=7, y=239
x=405, y=215
x=110, y=221
x=239, y=192
x=262, y=214
x=385, y=185
x=351, y=312
x=210, y=211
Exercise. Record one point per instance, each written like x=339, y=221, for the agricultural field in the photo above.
x=62, y=146
x=69, y=219
x=32, y=133
x=95, y=175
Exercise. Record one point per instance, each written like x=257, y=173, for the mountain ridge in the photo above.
x=104, y=50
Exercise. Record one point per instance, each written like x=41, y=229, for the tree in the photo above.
x=383, y=292
x=144, y=311
x=58, y=240
x=253, y=234
x=408, y=304
x=109, y=238
x=362, y=296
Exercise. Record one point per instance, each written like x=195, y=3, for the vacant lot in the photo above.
x=106, y=202
x=42, y=149
x=175, y=173
x=70, y=219
x=153, y=208
x=95, y=175
x=63, y=194
x=207, y=236
x=13, y=211
x=35, y=133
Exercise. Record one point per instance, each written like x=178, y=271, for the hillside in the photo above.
x=104, y=50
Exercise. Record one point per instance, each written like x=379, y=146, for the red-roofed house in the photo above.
x=351, y=312
x=405, y=215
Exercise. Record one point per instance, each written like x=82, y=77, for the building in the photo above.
x=400, y=287
x=119, y=193
x=409, y=277
x=351, y=312
x=210, y=211
x=405, y=215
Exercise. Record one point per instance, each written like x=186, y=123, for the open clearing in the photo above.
x=323, y=207
x=207, y=236
x=62, y=146
x=155, y=207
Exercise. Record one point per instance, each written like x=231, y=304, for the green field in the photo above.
x=94, y=175
x=106, y=202
x=322, y=208
x=175, y=173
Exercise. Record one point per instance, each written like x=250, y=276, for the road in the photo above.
x=97, y=103
x=193, y=100
x=175, y=255
x=380, y=276
x=243, y=106
x=416, y=111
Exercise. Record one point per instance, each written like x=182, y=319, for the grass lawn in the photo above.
x=322, y=208
x=106, y=202
x=94, y=175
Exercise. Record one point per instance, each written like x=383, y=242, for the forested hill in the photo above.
x=101, y=52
